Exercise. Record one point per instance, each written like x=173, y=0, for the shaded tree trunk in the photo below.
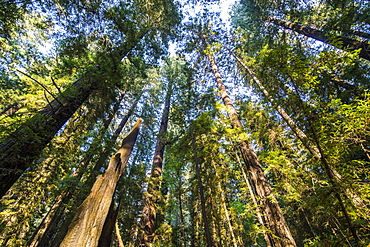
x=337, y=41
x=271, y=211
x=150, y=215
x=25, y=144
x=87, y=225
x=106, y=235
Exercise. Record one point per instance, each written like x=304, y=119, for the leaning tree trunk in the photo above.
x=87, y=226
x=333, y=175
x=280, y=234
x=337, y=41
x=149, y=220
x=48, y=226
x=56, y=222
x=25, y=144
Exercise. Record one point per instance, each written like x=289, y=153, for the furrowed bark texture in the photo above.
x=87, y=225
x=27, y=142
x=339, y=42
x=333, y=175
x=65, y=219
x=271, y=212
x=150, y=215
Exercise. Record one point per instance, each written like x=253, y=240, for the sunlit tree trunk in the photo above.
x=334, y=176
x=118, y=234
x=51, y=222
x=337, y=41
x=224, y=205
x=87, y=225
x=148, y=221
x=273, y=216
x=25, y=144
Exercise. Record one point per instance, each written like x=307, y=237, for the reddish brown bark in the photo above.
x=273, y=217
x=150, y=215
x=333, y=175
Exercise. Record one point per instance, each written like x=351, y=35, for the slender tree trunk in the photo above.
x=150, y=215
x=25, y=144
x=207, y=229
x=270, y=208
x=107, y=151
x=10, y=110
x=86, y=228
x=119, y=238
x=333, y=175
x=182, y=221
x=224, y=205
x=338, y=41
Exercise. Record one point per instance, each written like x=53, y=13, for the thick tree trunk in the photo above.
x=25, y=144
x=338, y=41
x=273, y=216
x=57, y=229
x=333, y=175
x=149, y=217
x=86, y=228
x=49, y=225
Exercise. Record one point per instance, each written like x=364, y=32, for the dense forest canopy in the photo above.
x=253, y=131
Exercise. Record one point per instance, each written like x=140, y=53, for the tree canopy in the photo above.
x=159, y=123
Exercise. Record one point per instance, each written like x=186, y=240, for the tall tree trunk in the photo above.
x=254, y=200
x=150, y=215
x=48, y=226
x=90, y=180
x=87, y=225
x=316, y=151
x=108, y=150
x=25, y=144
x=182, y=221
x=54, y=226
x=207, y=229
x=273, y=216
x=337, y=41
